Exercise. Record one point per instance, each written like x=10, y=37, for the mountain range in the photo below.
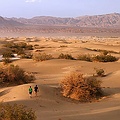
x=108, y=23
x=106, y=20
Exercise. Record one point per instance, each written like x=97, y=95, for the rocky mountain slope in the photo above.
x=108, y=24
x=107, y=20
x=9, y=23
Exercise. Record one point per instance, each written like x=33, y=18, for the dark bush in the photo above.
x=65, y=56
x=104, y=58
x=8, y=54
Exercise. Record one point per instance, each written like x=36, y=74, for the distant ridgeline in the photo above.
x=48, y=24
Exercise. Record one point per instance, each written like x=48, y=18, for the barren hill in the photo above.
x=107, y=20
x=108, y=24
x=9, y=23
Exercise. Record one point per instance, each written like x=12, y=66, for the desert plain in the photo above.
x=50, y=104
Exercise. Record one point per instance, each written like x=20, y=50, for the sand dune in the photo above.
x=50, y=104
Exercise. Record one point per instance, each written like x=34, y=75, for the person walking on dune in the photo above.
x=36, y=90
x=30, y=91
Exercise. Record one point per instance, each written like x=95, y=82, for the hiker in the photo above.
x=30, y=91
x=36, y=90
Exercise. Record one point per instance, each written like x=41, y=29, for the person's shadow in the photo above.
x=4, y=92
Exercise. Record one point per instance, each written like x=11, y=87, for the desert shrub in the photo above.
x=6, y=61
x=24, y=45
x=65, y=56
x=99, y=72
x=16, y=112
x=63, y=45
x=8, y=54
x=14, y=74
x=19, y=51
x=77, y=87
x=85, y=57
x=18, y=45
x=21, y=44
x=18, y=48
x=10, y=45
x=104, y=52
x=41, y=56
x=26, y=55
x=104, y=58
x=29, y=47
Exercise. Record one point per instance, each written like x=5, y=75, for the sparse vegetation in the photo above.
x=16, y=112
x=6, y=61
x=8, y=54
x=77, y=87
x=85, y=57
x=99, y=72
x=105, y=52
x=65, y=56
x=19, y=45
x=104, y=57
x=12, y=74
x=41, y=56
x=63, y=45
x=18, y=48
x=27, y=55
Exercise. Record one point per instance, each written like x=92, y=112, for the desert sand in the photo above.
x=50, y=104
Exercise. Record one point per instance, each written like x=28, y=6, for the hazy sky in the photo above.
x=58, y=8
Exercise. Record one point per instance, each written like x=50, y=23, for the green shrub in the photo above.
x=15, y=75
x=41, y=57
x=65, y=56
x=77, y=87
x=16, y=112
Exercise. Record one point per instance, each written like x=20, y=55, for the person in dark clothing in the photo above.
x=36, y=90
